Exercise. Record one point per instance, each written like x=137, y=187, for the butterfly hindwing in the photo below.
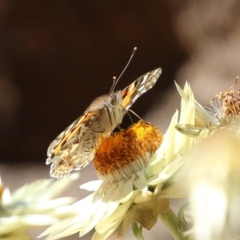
x=72, y=149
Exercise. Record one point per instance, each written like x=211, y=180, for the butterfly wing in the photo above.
x=138, y=87
x=73, y=148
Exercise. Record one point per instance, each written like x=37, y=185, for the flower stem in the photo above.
x=173, y=224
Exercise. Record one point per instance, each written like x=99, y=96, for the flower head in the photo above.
x=137, y=177
x=120, y=161
x=32, y=206
x=210, y=173
x=213, y=173
x=226, y=106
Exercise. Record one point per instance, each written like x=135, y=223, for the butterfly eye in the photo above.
x=116, y=99
x=113, y=101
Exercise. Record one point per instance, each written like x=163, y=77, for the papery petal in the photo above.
x=92, y=185
x=109, y=225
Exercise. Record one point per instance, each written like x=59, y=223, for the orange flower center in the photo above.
x=126, y=152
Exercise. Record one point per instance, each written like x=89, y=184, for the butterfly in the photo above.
x=75, y=147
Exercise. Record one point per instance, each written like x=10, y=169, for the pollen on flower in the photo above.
x=126, y=152
x=227, y=104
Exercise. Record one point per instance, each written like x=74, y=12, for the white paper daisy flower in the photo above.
x=138, y=177
x=32, y=206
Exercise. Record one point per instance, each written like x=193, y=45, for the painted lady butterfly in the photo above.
x=74, y=148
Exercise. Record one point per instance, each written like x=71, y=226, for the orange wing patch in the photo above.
x=73, y=131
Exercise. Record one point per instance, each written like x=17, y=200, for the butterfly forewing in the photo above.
x=142, y=84
x=75, y=147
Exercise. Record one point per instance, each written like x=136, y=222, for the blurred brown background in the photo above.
x=57, y=56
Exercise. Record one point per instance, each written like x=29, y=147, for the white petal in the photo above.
x=92, y=185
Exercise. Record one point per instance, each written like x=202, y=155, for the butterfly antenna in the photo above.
x=115, y=80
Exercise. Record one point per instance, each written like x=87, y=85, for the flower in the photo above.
x=120, y=161
x=32, y=206
x=226, y=106
x=214, y=174
x=210, y=174
x=136, y=182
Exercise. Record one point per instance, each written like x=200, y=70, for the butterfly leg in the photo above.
x=130, y=110
x=118, y=126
